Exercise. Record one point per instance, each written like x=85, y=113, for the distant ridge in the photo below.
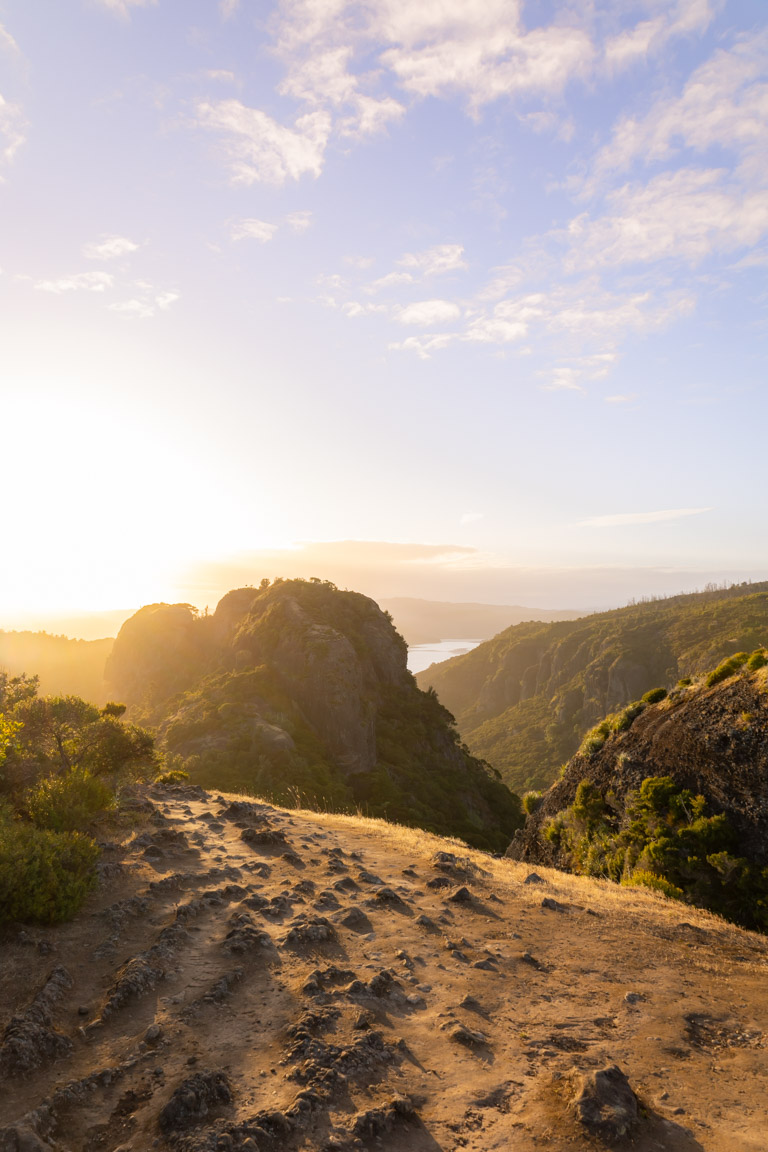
x=524, y=699
x=427, y=621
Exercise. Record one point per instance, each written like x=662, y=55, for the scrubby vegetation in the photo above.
x=663, y=838
x=527, y=699
x=675, y=802
x=61, y=761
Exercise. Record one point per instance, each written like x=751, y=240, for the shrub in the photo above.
x=685, y=682
x=531, y=801
x=642, y=879
x=727, y=668
x=44, y=876
x=757, y=660
x=626, y=719
x=68, y=803
x=174, y=776
x=654, y=696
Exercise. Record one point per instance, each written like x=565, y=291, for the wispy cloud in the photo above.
x=261, y=149
x=621, y=519
x=424, y=313
x=7, y=41
x=109, y=247
x=81, y=281
x=252, y=229
x=12, y=129
x=145, y=305
x=122, y=7
x=434, y=261
x=299, y=221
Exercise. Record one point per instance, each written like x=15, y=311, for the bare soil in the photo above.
x=315, y=985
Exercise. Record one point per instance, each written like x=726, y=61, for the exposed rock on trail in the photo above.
x=29, y=1040
x=230, y=1012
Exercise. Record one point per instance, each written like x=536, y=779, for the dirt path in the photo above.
x=253, y=978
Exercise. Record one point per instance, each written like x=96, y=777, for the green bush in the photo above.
x=626, y=719
x=531, y=801
x=174, y=776
x=727, y=668
x=68, y=803
x=654, y=696
x=685, y=682
x=44, y=876
x=757, y=660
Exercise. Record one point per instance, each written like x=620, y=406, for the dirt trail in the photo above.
x=254, y=978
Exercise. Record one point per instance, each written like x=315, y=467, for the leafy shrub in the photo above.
x=757, y=660
x=44, y=876
x=596, y=737
x=685, y=682
x=68, y=803
x=626, y=719
x=654, y=696
x=174, y=776
x=531, y=801
x=727, y=668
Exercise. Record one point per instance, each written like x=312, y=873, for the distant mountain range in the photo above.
x=427, y=621
x=524, y=699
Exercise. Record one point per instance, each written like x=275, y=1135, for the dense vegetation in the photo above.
x=61, y=763
x=670, y=793
x=525, y=700
x=299, y=692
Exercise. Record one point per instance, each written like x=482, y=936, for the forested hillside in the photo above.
x=524, y=700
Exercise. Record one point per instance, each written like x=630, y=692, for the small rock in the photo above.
x=534, y=878
x=461, y=896
x=553, y=905
x=634, y=997
x=154, y=1032
x=470, y=1037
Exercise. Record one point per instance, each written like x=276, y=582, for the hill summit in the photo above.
x=297, y=690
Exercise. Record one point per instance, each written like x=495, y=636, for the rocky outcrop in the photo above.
x=713, y=741
x=296, y=689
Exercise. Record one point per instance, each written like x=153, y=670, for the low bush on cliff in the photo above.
x=662, y=838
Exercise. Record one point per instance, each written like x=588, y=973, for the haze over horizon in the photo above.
x=461, y=300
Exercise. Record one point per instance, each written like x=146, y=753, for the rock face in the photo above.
x=524, y=699
x=300, y=691
x=713, y=741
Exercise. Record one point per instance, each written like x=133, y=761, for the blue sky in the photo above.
x=481, y=281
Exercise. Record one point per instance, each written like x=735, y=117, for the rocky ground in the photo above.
x=254, y=978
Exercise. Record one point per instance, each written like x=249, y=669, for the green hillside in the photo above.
x=524, y=699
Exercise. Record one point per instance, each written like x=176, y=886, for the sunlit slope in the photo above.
x=524, y=700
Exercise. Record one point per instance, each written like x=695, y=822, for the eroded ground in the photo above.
x=253, y=978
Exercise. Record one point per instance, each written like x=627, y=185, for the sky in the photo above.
x=463, y=299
